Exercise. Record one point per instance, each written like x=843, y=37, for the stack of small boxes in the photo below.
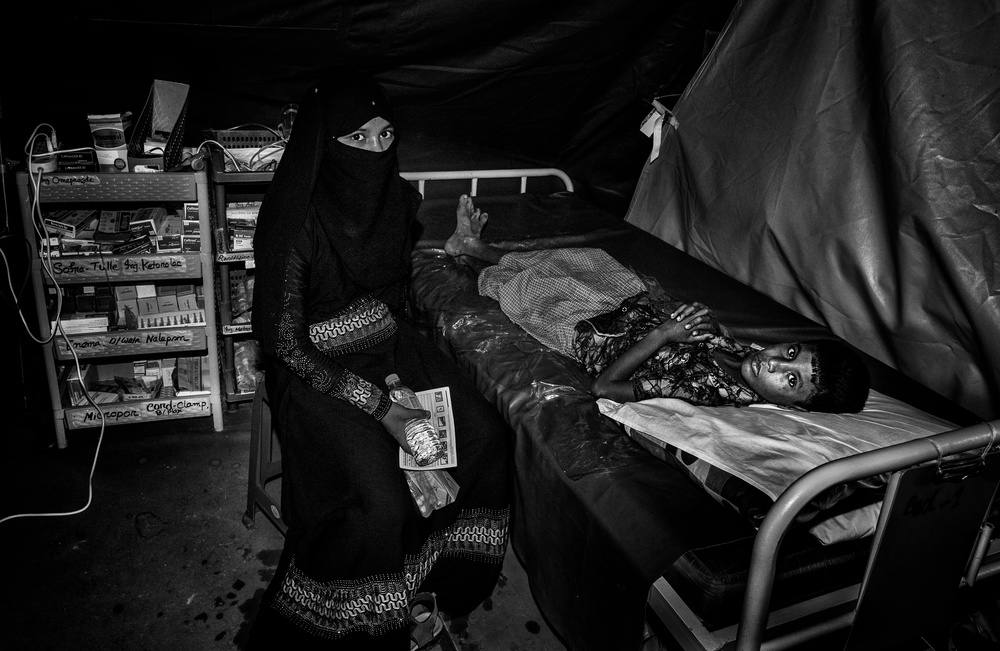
x=169, y=232
x=122, y=232
x=142, y=379
x=140, y=307
x=241, y=220
x=85, y=308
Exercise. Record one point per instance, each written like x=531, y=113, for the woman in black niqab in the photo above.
x=333, y=257
x=356, y=197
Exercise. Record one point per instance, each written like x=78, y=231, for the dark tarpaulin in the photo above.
x=554, y=83
x=844, y=158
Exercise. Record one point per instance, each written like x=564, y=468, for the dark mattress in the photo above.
x=597, y=519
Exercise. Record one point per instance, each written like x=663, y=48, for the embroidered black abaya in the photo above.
x=333, y=253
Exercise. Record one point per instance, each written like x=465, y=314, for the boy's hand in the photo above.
x=689, y=323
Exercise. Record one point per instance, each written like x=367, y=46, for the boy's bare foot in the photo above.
x=469, y=225
x=468, y=212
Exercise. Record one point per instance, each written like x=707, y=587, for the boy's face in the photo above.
x=780, y=374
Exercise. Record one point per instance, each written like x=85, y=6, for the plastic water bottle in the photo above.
x=420, y=433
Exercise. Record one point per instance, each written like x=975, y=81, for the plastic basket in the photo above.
x=258, y=150
x=243, y=138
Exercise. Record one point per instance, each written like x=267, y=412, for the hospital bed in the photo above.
x=611, y=526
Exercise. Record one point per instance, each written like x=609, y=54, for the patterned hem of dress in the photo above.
x=380, y=603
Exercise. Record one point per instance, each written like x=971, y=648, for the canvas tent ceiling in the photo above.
x=844, y=157
x=548, y=83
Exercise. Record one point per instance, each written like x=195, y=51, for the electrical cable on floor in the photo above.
x=97, y=450
x=46, y=264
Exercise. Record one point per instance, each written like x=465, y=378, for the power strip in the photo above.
x=43, y=164
x=43, y=158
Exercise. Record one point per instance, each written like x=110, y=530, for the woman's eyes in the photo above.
x=792, y=380
x=792, y=352
x=361, y=137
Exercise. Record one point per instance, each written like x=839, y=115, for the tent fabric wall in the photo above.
x=843, y=157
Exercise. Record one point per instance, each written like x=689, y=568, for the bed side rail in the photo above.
x=763, y=562
x=421, y=178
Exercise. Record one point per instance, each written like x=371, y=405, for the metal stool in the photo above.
x=265, y=464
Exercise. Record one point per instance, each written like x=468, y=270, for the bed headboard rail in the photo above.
x=474, y=176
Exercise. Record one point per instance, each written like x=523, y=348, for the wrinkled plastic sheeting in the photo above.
x=843, y=157
x=542, y=394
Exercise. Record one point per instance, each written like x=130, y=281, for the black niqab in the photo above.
x=355, y=196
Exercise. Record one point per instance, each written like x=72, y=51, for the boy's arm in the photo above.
x=687, y=324
x=614, y=382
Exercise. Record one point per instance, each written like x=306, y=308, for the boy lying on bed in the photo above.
x=584, y=304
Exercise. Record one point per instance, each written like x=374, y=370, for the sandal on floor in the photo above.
x=426, y=623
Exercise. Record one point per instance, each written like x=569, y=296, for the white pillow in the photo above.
x=770, y=447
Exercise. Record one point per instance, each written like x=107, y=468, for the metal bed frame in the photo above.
x=969, y=538
x=474, y=176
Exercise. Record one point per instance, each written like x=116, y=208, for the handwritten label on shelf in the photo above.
x=238, y=256
x=131, y=342
x=124, y=267
x=237, y=329
x=85, y=266
x=151, y=264
x=69, y=179
x=135, y=412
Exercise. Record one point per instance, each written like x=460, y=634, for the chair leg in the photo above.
x=265, y=464
x=253, y=472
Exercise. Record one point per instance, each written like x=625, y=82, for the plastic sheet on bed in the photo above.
x=541, y=393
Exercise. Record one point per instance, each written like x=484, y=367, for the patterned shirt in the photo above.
x=686, y=371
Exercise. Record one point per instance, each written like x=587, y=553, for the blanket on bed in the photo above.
x=548, y=292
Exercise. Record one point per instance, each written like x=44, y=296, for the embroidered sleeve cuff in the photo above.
x=362, y=394
x=382, y=408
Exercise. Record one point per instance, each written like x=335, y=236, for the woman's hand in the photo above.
x=689, y=323
x=396, y=418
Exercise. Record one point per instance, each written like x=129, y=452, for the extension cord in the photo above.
x=42, y=164
x=42, y=158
